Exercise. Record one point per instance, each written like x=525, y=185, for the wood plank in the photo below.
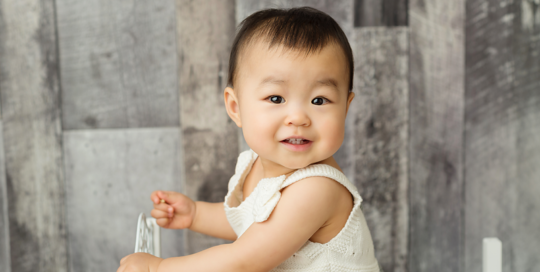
x=110, y=175
x=119, y=65
x=381, y=13
x=205, y=32
x=436, y=135
x=378, y=117
x=5, y=257
x=502, y=127
x=32, y=136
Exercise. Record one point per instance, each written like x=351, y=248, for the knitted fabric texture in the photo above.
x=350, y=250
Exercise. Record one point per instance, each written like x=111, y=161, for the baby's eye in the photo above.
x=276, y=99
x=319, y=101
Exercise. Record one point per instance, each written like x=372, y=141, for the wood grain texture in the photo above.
x=5, y=256
x=110, y=175
x=381, y=13
x=378, y=117
x=436, y=135
x=502, y=127
x=119, y=65
x=205, y=31
x=32, y=136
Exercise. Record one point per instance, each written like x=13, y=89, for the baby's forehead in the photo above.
x=262, y=63
x=259, y=46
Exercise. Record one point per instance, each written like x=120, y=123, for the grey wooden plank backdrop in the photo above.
x=436, y=134
x=109, y=176
x=381, y=13
x=502, y=131
x=117, y=64
x=103, y=102
x=377, y=148
x=5, y=256
x=205, y=32
x=32, y=136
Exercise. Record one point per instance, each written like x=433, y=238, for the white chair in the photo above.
x=148, y=238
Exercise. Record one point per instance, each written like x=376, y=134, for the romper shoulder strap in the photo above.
x=323, y=170
x=267, y=193
x=244, y=159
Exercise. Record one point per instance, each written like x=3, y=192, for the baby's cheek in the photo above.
x=257, y=136
x=333, y=134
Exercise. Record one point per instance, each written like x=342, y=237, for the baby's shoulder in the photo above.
x=318, y=187
x=323, y=176
x=327, y=199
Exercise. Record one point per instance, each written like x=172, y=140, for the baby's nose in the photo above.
x=298, y=117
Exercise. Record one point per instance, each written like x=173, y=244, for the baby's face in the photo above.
x=286, y=95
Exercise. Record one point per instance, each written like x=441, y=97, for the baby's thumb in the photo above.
x=169, y=197
x=159, y=196
x=163, y=197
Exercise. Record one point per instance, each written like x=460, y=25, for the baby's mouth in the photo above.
x=296, y=141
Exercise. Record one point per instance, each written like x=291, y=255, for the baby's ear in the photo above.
x=232, y=106
x=349, y=100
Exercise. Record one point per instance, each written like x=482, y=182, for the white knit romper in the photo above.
x=350, y=250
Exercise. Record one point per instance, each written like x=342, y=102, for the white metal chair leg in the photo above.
x=148, y=237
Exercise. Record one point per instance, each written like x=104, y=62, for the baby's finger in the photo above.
x=162, y=206
x=163, y=195
x=162, y=222
x=155, y=197
x=165, y=208
x=159, y=214
x=123, y=259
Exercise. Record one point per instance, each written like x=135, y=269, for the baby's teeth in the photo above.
x=295, y=141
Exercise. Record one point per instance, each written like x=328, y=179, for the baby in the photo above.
x=289, y=206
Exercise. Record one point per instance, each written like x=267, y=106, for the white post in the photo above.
x=492, y=255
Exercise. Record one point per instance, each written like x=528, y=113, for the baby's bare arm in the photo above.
x=210, y=219
x=265, y=245
x=175, y=210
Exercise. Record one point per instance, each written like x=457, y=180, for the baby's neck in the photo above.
x=270, y=169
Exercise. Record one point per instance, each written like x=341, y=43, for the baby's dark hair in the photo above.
x=302, y=28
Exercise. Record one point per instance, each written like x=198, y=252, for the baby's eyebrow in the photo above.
x=328, y=82
x=272, y=80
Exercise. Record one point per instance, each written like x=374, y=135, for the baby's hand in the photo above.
x=172, y=210
x=142, y=262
